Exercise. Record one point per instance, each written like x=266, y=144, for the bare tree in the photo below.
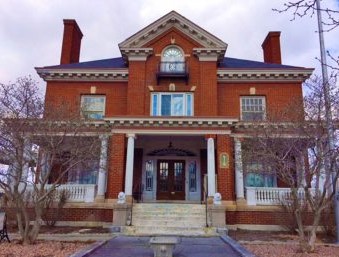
x=295, y=152
x=302, y=8
x=41, y=148
x=330, y=20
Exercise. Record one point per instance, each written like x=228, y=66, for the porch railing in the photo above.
x=77, y=192
x=270, y=195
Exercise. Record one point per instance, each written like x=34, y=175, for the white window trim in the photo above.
x=258, y=97
x=93, y=96
x=185, y=94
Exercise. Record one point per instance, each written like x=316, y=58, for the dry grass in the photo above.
x=282, y=244
x=41, y=249
x=290, y=250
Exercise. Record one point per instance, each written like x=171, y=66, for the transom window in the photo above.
x=172, y=104
x=93, y=107
x=253, y=108
x=173, y=53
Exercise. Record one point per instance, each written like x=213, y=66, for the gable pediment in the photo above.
x=172, y=20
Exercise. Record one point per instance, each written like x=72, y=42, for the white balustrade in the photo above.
x=270, y=195
x=76, y=192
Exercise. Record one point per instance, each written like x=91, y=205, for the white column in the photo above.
x=44, y=164
x=239, y=173
x=300, y=161
x=26, y=158
x=102, y=176
x=211, y=167
x=129, y=165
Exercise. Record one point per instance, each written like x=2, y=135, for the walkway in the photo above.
x=189, y=246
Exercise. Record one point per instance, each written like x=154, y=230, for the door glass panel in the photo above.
x=149, y=175
x=155, y=105
x=178, y=176
x=189, y=105
x=192, y=176
x=178, y=105
x=163, y=179
x=166, y=105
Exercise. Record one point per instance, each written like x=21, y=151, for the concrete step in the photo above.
x=168, y=206
x=164, y=222
x=169, y=219
x=178, y=231
x=169, y=214
x=140, y=217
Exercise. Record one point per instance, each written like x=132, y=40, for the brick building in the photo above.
x=178, y=109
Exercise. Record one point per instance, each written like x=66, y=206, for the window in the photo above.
x=84, y=173
x=253, y=108
x=172, y=60
x=172, y=104
x=93, y=107
x=256, y=176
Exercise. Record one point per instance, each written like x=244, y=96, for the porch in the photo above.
x=86, y=193
x=271, y=195
x=76, y=193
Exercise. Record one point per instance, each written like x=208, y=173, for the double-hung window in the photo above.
x=172, y=104
x=93, y=107
x=253, y=108
x=257, y=175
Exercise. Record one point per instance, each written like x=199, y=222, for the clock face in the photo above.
x=173, y=52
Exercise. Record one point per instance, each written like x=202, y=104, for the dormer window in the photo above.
x=172, y=60
x=173, y=64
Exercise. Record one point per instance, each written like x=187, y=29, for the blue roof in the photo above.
x=118, y=63
x=99, y=64
x=233, y=63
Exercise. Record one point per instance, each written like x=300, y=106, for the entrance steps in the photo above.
x=169, y=219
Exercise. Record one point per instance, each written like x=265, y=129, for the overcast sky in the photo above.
x=31, y=30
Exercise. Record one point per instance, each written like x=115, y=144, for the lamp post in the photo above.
x=328, y=112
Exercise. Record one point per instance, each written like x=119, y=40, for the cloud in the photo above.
x=31, y=30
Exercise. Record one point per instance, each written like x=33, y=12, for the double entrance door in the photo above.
x=171, y=180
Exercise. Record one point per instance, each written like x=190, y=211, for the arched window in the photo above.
x=172, y=60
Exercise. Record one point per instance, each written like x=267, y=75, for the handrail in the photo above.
x=271, y=195
x=173, y=67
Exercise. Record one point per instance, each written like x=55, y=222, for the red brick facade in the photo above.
x=116, y=166
x=226, y=179
x=215, y=82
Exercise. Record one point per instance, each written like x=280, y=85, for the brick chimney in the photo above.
x=271, y=47
x=71, y=42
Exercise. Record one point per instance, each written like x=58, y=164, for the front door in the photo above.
x=171, y=180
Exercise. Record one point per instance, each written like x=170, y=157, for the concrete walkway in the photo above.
x=188, y=247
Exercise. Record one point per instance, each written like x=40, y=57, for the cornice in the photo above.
x=263, y=75
x=169, y=122
x=209, y=54
x=50, y=74
x=173, y=20
x=136, y=54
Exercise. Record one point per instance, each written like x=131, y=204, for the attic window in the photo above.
x=172, y=60
x=173, y=54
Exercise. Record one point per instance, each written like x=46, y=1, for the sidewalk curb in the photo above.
x=89, y=250
x=237, y=247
